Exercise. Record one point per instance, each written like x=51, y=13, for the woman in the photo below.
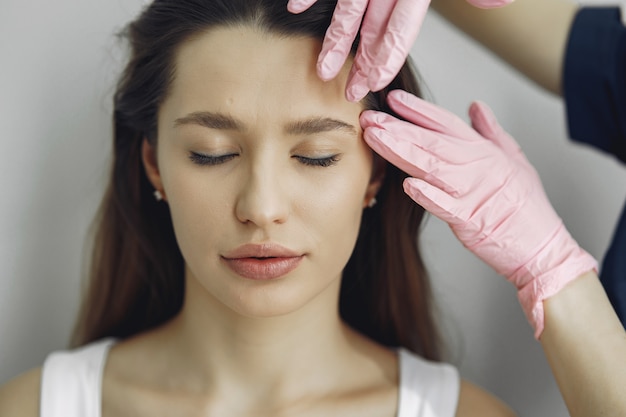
x=222, y=292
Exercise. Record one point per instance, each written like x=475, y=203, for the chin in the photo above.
x=290, y=294
x=275, y=299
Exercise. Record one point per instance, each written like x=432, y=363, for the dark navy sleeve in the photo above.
x=594, y=80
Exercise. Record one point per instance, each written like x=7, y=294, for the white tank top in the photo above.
x=71, y=384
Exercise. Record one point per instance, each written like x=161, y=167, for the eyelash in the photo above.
x=319, y=162
x=210, y=160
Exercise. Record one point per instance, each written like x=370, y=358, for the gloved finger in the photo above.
x=374, y=25
x=391, y=51
x=401, y=153
x=435, y=201
x=340, y=36
x=372, y=31
x=400, y=135
x=451, y=163
x=298, y=6
x=356, y=87
x=421, y=153
x=485, y=123
x=428, y=115
x=489, y=4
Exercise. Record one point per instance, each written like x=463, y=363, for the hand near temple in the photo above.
x=479, y=182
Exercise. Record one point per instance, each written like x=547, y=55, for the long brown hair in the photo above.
x=137, y=271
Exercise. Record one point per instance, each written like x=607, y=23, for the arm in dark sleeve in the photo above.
x=594, y=80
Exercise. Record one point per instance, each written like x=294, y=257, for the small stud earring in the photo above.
x=372, y=202
x=157, y=195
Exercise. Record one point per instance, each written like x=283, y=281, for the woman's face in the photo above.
x=264, y=169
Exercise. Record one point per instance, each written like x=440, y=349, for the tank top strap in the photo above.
x=71, y=382
x=427, y=389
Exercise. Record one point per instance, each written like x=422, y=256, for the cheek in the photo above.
x=195, y=211
x=339, y=200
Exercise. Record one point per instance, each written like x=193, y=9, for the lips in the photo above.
x=263, y=261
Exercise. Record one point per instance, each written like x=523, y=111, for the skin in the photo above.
x=530, y=35
x=585, y=345
x=265, y=193
x=242, y=347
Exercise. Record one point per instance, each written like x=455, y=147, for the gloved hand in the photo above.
x=388, y=31
x=479, y=182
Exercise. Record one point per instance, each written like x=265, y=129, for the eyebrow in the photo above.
x=222, y=121
x=210, y=120
x=318, y=125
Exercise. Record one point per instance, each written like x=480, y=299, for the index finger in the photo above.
x=340, y=36
x=391, y=51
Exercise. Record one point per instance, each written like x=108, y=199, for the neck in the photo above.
x=227, y=350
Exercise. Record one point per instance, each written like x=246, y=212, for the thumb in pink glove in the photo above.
x=480, y=183
x=389, y=28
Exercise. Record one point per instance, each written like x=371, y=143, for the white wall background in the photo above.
x=58, y=64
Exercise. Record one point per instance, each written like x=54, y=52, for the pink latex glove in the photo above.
x=479, y=182
x=388, y=31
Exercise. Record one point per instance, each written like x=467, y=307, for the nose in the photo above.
x=261, y=200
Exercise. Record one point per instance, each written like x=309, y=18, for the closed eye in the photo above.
x=210, y=160
x=319, y=162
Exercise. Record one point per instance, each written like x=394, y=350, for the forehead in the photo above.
x=254, y=75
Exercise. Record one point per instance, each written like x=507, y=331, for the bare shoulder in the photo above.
x=20, y=396
x=475, y=401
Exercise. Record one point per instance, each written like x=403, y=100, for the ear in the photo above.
x=376, y=181
x=149, y=159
